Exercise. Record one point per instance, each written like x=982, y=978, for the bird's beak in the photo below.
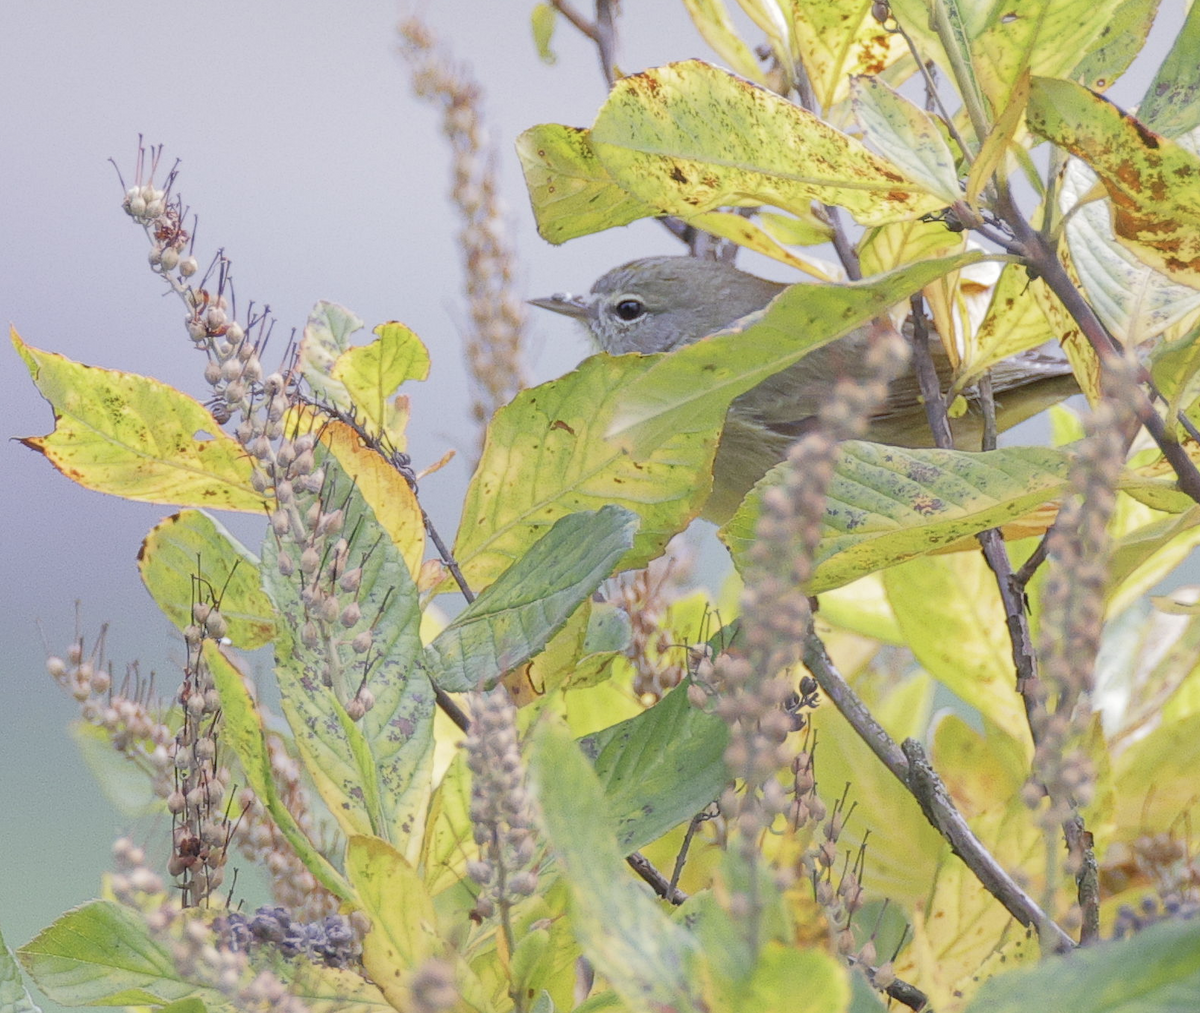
x=561, y=302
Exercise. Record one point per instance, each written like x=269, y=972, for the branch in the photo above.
x=659, y=883
x=911, y=768
x=1044, y=261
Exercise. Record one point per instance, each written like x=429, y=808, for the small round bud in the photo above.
x=169, y=259
x=188, y=266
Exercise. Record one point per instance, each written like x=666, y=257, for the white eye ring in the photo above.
x=629, y=308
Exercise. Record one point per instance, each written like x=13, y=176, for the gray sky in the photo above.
x=310, y=163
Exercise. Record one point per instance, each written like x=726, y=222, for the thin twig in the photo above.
x=1087, y=877
x=909, y=766
x=681, y=858
x=927, y=378
x=901, y=991
x=1044, y=261
x=659, y=883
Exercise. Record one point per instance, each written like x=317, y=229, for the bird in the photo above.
x=657, y=304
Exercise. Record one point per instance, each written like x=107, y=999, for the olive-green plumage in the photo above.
x=661, y=303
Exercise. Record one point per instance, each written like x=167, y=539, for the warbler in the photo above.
x=661, y=303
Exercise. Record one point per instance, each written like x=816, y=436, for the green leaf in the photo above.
x=1152, y=181
x=123, y=776
x=136, y=438
x=905, y=135
x=372, y=774
x=14, y=996
x=689, y=137
x=514, y=618
x=191, y=557
x=1014, y=323
x=243, y=731
x=1114, y=49
x=371, y=373
x=192, y=1004
x=659, y=768
x=1156, y=971
x=571, y=192
x=102, y=955
x=800, y=981
x=327, y=334
x=1171, y=105
x=545, y=456
x=888, y=504
x=646, y=957
x=690, y=389
x=543, y=20
x=1175, y=369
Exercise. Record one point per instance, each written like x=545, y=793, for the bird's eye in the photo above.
x=630, y=309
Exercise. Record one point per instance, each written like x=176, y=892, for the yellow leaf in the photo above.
x=906, y=135
x=950, y=613
x=1152, y=182
x=839, y=40
x=1039, y=37
x=137, y=438
x=385, y=490
x=688, y=137
x=546, y=456
x=191, y=546
x=571, y=192
x=403, y=922
x=712, y=21
x=746, y=233
x=1014, y=323
x=371, y=373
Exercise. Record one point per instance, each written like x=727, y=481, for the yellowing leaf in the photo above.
x=1172, y=103
x=546, y=456
x=1135, y=301
x=403, y=922
x=949, y=611
x=385, y=490
x=371, y=373
x=137, y=438
x=1152, y=182
x=712, y=21
x=839, y=40
x=903, y=850
x=1015, y=322
x=1043, y=37
x=905, y=135
x=327, y=334
x=191, y=557
x=571, y=191
x=687, y=138
x=746, y=233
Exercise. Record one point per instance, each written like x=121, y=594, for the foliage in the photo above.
x=819, y=857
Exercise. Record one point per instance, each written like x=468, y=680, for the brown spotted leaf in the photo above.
x=689, y=137
x=1152, y=182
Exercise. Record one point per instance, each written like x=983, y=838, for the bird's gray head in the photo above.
x=660, y=303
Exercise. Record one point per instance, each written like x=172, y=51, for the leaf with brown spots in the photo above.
x=689, y=137
x=1152, y=182
x=889, y=504
x=546, y=456
x=1044, y=37
x=572, y=194
x=836, y=41
x=135, y=437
